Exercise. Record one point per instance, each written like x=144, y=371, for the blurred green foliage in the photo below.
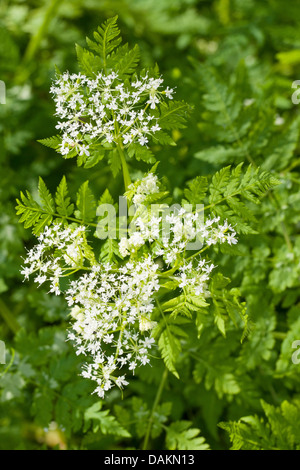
x=235, y=62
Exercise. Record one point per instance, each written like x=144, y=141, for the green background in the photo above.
x=217, y=54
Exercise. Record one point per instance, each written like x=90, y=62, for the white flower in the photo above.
x=89, y=109
x=40, y=279
x=146, y=324
x=84, y=150
x=124, y=247
x=120, y=381
x=169, y=92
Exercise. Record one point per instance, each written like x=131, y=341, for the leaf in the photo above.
x=141, y=152
x=181, y=436
x=115, y=162
x=63, y=202
x=173, y=115
x=51, y=142
x=163, y=138
x=280, y=149
x=279, y=431
x=170, y=348
x=109, y=251
x=45, y=197
x=184, y=304
x=88, y=62
x=85, y=203
x=43, y=222
x=32, y=214
x=229, y=190
x=196, y=190
x=102, y=421
x=39, y=215
x=107, y=39
x=125, y=60
x=94, y=159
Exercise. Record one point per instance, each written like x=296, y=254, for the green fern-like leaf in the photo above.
x=125, y=60
x=184, y=304
x=141, y=153
x=279, y=431
x=106, y=40
x=46, y=197
x=196, y=190
x=173, y=115
x=181, y=436
x=63, y=201
x=33, y=214
x=51, y=142
x=89, y=63
x=169, y=334
x=86, y=204
x=103, y=421
x=231, y=188
x=39, y=214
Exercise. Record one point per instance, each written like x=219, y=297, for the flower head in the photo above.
x=106, y=110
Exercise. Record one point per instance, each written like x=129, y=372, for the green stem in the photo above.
x=279, y=335
x=198, y=253
x=293, y=165
x=38, y=36
x=35, y=41
x=9, y=364
x=126, y=175
x=155, y=404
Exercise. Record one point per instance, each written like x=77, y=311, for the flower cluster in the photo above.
x=195, y=277
x=145, y=187
x=56, y=243
x=112, y=306
x=173, y=230
x=112, y=310
x=105, y=110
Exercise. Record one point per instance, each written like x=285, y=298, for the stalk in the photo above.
x=35, y=41
x=126, y=175
x=37, y=38
x=155, y=405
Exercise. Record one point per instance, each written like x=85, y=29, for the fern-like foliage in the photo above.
x=180, y=435
x=229, y=191
x=240, y=124
x=280, y=429
x=39, y=214
x=97, y=419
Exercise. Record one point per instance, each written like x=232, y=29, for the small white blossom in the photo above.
x=105, y=109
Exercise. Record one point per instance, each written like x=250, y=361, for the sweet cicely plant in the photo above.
x=141, y=273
